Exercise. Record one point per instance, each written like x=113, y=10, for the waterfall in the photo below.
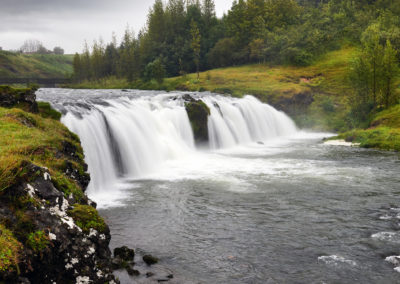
x=241, y=121
x=131, y=135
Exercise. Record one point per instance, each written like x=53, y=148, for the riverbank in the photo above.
x=382, y=133
x=49, y=230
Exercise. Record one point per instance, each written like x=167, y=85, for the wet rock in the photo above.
x=188, y=98
x=149, y=259
x=124, y=253
x=118, y=263
x=149, y=274
x=198, y=113
x=73, y=172
x=132, y=272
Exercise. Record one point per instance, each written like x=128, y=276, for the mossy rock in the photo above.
x=149, y=259
x=23, y=98
x=46, y=111
x=198, y=113
x=87, y=217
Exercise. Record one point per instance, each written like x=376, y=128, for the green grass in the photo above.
x=17, y=65
x=27, y=137
x=383, y=133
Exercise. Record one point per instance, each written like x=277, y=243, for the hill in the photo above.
x=17, y=65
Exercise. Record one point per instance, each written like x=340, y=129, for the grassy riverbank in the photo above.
x=383, y=132
x=32, y=137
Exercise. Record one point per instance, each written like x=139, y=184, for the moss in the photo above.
x=87, y=217
x=10, y=250
x=46, y=111
x=38, y=241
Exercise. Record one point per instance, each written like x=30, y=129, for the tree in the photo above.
x=58, y=50
x=390, y=72
x=196, y=37
x=32, y=46
x=77, y=66
x=361, y=101
x=256, y=48
x=373, y=50
x=155, y=70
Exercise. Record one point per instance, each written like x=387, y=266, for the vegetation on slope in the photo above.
x=38, y=139
x=383, y=132
x=18, y=65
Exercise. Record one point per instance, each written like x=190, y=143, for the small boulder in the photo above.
x=132, y=272
x=124, y=253
x=149, y=259
x=149, y=274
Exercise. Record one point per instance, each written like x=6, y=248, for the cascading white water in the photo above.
x=240, y=121
x=130, y=136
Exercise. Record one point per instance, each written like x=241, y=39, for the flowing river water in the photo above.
x=263, y=202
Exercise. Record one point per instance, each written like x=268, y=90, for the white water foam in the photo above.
x=127, y=138
x=336, y=260
x=387, y=237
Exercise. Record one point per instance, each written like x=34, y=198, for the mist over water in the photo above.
x=262, y=203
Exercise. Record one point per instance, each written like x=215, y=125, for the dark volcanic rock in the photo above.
x=198, y=113
x=66, y=254
x=124, y=253
x=149, y=259
x=24, y=98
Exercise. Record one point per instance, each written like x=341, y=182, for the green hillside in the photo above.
x=17, y=65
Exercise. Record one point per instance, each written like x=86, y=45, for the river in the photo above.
x=275, y=205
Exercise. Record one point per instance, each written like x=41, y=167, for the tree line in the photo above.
x=186, y=36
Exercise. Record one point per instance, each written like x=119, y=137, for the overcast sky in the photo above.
x=68, y=23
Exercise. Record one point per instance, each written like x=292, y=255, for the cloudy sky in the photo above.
x=68, y=23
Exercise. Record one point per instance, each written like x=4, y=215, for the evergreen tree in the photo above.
x=196, y=37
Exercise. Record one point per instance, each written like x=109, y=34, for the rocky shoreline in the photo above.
x=50, y=231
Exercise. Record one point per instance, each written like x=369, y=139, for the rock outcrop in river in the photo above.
x=198, y=113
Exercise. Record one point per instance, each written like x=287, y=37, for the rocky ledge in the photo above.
x=50, y=232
